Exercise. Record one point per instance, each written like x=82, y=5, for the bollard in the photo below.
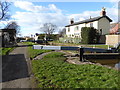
x=81, y=54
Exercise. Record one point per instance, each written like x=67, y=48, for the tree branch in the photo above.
x=4, y=6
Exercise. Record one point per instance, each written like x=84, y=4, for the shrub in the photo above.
x=89, y=35
x=51, y=36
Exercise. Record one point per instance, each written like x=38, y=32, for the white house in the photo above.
x=101, y=23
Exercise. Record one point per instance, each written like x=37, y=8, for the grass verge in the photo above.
x=53, y=72
x=35, y=52
x=57, y=43
x=32, y=53
x=29, y=43
x=5, y=51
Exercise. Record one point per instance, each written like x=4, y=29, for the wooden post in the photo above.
x=81, y=54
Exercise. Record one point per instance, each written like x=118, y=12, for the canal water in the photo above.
x=110, y=62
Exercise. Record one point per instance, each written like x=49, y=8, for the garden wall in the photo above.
x=112, y=39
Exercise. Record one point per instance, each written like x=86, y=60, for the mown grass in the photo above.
x=63, y=44
x=29, y=43
x=5, y=51
x=99, y=46
x=32, y=53
x=53, y=72
x=84, y=45
x=35, y=52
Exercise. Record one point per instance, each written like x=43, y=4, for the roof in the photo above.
x=114, y=24
x=115, y=27
x=7, y=30
x=89, y=20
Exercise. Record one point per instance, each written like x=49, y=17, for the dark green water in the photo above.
x=111, y=62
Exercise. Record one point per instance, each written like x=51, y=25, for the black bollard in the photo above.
x=81, y=54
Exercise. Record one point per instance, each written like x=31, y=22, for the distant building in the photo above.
x=8, y=37
x=101, y=23
x=36, y=36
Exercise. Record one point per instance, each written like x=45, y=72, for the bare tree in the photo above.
x=13, y=25
x=48, y=28
x=4, y=9
x=62, y=32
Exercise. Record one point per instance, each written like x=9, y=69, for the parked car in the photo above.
x=23, y=40
x=39, y=41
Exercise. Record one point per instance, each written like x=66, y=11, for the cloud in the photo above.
x=29, y=6
x=34, y=16
x=111, y=12
x=30, y=18
x=114, y=0
x=84, y=15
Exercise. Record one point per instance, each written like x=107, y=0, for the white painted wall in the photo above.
x=95, y=24
x=87, y=25
x=73, y=31
x=104, y=24
x=78, y=32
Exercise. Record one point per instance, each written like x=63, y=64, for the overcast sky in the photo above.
x=31, y=15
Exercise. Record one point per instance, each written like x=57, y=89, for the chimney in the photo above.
x=71, y=21
x=103, y=12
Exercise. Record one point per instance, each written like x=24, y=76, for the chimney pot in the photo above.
x=103, y=12
x=72, y=21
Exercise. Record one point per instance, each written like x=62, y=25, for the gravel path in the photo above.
x=16, y=69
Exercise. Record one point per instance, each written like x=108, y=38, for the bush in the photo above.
x=89, y=35
x=52, y=36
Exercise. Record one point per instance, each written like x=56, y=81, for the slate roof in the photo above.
x=89, y=20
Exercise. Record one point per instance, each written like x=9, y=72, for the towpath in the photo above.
x=16, y=69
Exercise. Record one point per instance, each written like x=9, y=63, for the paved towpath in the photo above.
x=16, y=69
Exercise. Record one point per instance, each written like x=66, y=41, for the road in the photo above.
x=16, y=69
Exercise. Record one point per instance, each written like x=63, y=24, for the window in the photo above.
x=68, y=29
x=91, y=24
x=76, y=28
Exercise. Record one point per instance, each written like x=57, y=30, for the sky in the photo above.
x=30, y=16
